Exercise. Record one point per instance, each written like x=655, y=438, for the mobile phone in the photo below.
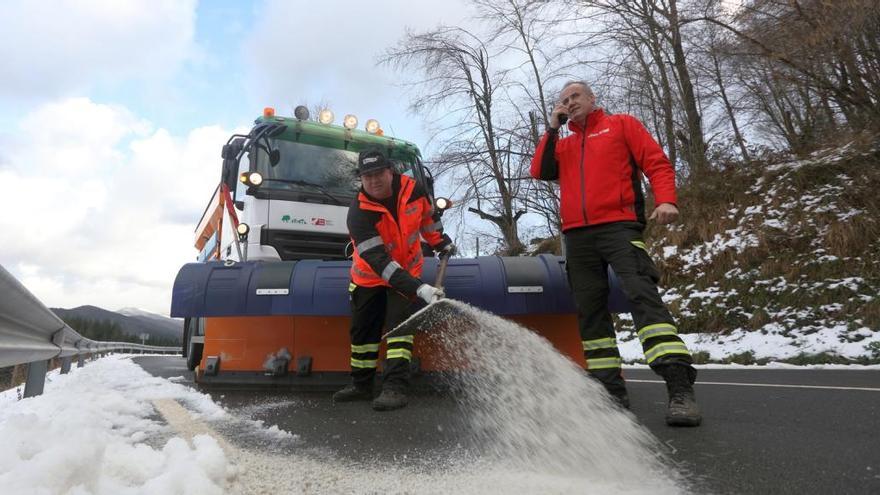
x=563, y=118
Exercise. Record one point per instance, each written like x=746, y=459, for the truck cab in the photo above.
x=290, y=182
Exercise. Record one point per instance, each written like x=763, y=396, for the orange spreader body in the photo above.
x=244, y=343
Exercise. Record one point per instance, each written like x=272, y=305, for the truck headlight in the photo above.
x=301, y=112
x=243, y=229
x=350, y=122
x=326, y=116
x=372, y=126
x=442, y=203
x=251, y=178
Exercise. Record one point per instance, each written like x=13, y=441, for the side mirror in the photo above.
x=230, y=172
x=227, y=151
x=231, y=150
x=230, y=153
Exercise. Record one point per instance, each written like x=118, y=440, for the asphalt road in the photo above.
x=764, y=431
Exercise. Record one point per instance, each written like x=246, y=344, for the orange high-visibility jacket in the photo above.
x=387, y=248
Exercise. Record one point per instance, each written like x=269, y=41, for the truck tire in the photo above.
x=186, y=334
x=193, y=355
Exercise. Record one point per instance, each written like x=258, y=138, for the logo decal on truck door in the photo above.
x=289, y=219
x=316, y=221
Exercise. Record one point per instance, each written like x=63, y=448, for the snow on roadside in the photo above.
x=772, y=342
x=95, y=431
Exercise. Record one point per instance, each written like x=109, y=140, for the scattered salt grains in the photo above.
x=548, y=417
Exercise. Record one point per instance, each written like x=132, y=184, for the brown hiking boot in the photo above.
x=389, y=400
x=621, y=400
x=683, y=409
x=352, y=393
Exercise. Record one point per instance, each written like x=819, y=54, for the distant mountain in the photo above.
x=131, y=321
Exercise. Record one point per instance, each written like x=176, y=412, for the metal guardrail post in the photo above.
x=81, y=361
x=65, y=365
x=36, y=378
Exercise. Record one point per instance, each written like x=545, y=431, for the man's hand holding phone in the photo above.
x=558, y=117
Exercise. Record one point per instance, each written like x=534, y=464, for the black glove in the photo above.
x=448, y=248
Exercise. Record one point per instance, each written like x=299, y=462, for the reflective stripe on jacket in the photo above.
x=600, y=170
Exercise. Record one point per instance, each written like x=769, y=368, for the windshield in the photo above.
x=329, y=168
x=307, y=168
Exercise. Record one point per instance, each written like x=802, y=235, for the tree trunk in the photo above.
x=696, y=141
x=729, y=108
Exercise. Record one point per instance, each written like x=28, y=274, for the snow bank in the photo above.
x=95, y=431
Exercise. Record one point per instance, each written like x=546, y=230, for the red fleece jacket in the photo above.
x=600, y=170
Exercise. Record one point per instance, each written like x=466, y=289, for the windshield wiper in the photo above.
x=305, y=183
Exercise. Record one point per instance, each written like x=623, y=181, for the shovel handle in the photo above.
x=441, y=272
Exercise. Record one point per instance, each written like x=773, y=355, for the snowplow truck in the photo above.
x=266, y=301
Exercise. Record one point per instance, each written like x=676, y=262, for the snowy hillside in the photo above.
x=778, y=260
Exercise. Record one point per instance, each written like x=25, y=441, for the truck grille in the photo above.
x=293, y=246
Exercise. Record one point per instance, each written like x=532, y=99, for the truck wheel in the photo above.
x=194, y=355
x=186, y=335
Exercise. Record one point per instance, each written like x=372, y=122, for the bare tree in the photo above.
x=527, y=29
x=651, y=31
x=457, y=77
x=729, y=110
x=828, y=52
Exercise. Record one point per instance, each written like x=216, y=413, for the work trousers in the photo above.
x=589, y=252
x=374, y=311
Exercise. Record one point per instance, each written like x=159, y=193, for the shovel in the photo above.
x=434, y=313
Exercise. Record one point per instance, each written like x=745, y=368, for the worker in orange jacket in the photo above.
x=386, y=222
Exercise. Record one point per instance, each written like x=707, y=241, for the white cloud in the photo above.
x=65, y=47
x=102, y=205
x=315, y=54
x=75, y=136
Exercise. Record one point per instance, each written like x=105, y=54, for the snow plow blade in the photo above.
x=286, y=323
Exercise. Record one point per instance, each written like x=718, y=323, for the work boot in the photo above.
x=389, y=400
x=612, y=380
x=352, y=393
x=622, y=400
x=683, y=409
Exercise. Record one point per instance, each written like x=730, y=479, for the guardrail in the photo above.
x=32, y=334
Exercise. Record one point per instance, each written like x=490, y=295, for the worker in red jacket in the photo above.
x=386, y=222
x=599, y=166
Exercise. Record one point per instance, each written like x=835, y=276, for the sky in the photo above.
x=112, y=116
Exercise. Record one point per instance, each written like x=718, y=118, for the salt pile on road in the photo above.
x=533, y=410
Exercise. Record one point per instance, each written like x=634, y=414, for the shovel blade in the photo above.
x=432, y=316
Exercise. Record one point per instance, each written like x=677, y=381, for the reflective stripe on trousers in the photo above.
x=601, y=353
x=661, y=339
